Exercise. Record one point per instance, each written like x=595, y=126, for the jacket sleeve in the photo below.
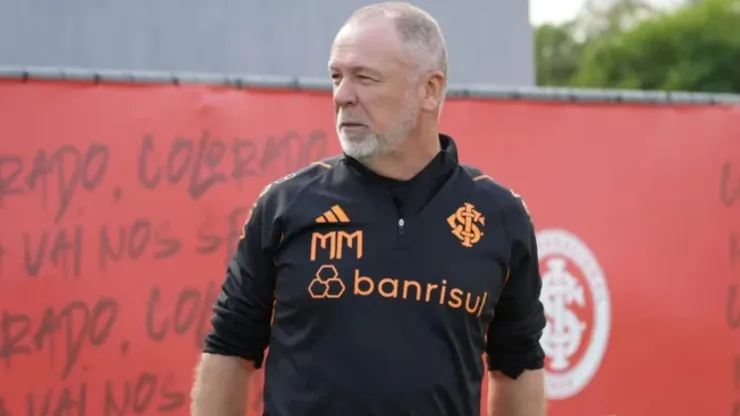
x=243, y=309
x=514, y=334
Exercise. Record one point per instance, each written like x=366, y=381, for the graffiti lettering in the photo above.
x=211, y=161
x=67, y=401
x=70, y=167
x=97, y=346
x=190, y=310
x=74, y=325
x=145, y=395
x=63, y=248
x=11, y=168
x=729, y=185
x=221, y=234
x=733, y=307
x=729, y=196
x=134, y=240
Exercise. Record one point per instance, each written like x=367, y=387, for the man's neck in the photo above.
x=407, y=161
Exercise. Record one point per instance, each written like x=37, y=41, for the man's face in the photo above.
x=376, y=96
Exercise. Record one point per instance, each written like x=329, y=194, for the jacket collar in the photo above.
x=412, y=194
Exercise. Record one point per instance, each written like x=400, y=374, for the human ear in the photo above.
x=434, y=89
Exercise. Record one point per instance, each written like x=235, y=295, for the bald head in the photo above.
x=417, y=29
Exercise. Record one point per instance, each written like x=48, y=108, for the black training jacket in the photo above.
x=386, y=295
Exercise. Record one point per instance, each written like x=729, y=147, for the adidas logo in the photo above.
x=335, y=214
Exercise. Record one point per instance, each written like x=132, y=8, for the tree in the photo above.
x=557, y=54
x=603, y=18
x=559, y=47
x=693, y=48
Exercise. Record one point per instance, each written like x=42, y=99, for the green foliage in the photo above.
x=557, y=54
x=693, y=48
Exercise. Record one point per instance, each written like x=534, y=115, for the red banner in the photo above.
x=119, y=206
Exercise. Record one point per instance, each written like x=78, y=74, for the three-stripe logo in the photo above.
x=333, y=215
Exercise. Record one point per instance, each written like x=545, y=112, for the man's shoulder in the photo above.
x=280, y=193
x=492, y=189
x=495, y=192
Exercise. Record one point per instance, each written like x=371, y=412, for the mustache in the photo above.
x=351, y=120
x=348, y=118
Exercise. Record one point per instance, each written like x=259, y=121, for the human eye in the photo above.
x=366, y=79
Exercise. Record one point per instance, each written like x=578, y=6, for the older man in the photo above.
x=381, y=277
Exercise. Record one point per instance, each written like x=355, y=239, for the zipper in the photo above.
x=401, y=223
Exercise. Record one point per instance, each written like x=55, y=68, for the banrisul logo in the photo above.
x=576, y=301
x=348, y=243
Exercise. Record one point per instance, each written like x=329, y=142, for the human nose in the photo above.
x=344, y=93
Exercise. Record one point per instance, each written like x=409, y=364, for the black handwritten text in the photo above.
x=61, y=332
x=147, y=394
x=732, y=307
x=221, y=234
x=65, y=401
x=131, y=242
x=189, y=310
x=62, y=247
x=71, y=168
x=729, y=185
x=210, y=161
